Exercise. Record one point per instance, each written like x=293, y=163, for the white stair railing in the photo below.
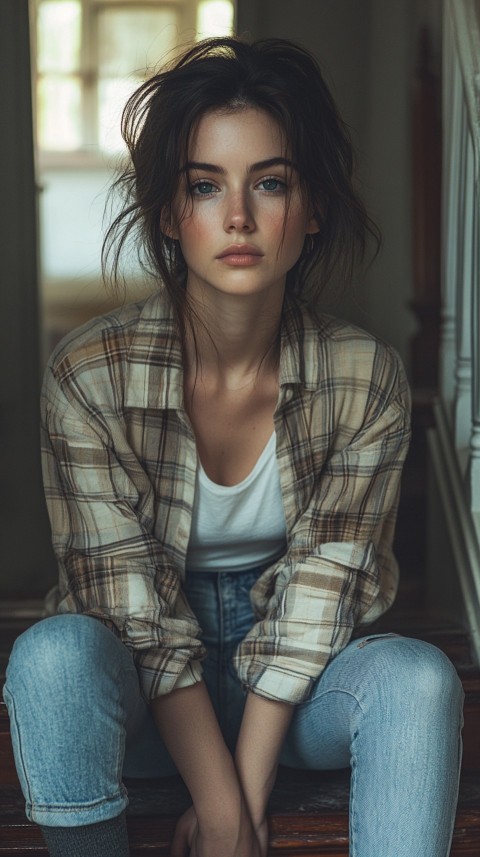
x=460, y=338
x=455, y=440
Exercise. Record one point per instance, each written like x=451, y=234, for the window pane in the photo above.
x=58, y=36
x=130, y=40
x=214, y=18
x=58, y=105
x=112, y=95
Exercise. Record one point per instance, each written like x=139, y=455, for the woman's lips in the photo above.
x=240, y=255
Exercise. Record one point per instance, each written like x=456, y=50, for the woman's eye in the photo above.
x=203, y=188
x=272, y=184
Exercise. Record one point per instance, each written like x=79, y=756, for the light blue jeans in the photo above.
x=388, y=706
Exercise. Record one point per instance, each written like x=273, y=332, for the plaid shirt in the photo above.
x=120, y=461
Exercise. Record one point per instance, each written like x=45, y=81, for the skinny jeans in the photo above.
x=388, y=707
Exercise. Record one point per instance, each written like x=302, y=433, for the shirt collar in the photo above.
x=299, y=346
x=154, y=377
x=154, y=362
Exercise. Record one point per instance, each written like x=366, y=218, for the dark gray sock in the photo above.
x=104, y=839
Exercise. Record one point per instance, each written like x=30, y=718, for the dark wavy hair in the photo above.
x=273, y=75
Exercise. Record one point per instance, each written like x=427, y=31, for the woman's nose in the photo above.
x=239, y=215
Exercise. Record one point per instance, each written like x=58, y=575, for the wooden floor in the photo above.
x=308, y=810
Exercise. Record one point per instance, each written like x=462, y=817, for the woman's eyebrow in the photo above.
x=200, y=165
x=270, y=162
x=259, y=165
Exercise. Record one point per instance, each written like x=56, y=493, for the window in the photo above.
x=88, y=56
x=91, y=54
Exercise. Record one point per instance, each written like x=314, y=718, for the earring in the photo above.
x=309, y=245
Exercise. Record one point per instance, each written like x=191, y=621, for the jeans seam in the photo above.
x=122, y=674
x=221, y=647
x=353, y=812
x=311, y=701
x=459, y=769
x=13, y=721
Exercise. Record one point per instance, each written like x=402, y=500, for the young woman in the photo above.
x=222, y=470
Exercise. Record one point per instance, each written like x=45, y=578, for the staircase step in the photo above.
x=308, y=815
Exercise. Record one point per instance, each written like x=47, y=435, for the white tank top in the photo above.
x=242, y=526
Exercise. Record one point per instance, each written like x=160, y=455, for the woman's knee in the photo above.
x=58, y=649
x=414, y=670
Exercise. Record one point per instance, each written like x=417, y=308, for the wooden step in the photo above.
x=308, y=814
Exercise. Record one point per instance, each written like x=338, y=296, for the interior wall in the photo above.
x=26, y=564
x=388, y=169
x=337, y=33
x=367, y=50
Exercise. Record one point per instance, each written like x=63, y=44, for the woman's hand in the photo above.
x=261, y=834
x=226, y=839
x=186, y=832
x=219, y=823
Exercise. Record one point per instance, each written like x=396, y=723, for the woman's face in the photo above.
x=240, y=216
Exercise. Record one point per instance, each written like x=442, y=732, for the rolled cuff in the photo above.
x=191, y=675
x=277, y=684
x=162, y=679
x=166, y=649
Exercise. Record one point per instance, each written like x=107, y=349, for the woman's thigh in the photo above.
x=391, y=708
x=386, y=686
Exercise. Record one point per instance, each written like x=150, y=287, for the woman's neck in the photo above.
x=234, y=338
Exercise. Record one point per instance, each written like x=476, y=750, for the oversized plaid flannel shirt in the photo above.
x=120, y=460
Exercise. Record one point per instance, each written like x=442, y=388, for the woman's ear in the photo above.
x=315, y=217
x=167, y=225
x=313, y=224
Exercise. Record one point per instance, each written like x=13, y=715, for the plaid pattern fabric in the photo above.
x=120, y=459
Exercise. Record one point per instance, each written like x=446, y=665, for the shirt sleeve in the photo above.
x=338, y=566
x=111, y=566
